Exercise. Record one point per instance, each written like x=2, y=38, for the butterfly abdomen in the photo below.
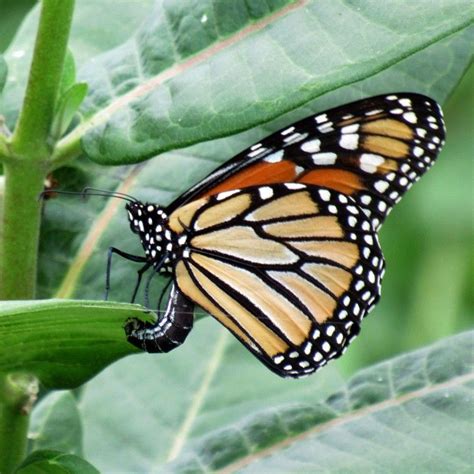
x=169, y=331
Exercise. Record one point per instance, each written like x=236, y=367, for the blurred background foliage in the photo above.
x=427, y=241
x=12, y=13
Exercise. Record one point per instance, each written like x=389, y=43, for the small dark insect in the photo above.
x=280, y=243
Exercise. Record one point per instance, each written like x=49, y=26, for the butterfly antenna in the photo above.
x=89, y=192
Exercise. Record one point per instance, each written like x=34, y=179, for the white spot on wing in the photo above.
x=287, y=131
x=278, y=359
x=294, y=186
x=328, y=158
x=311, y=146
x=349, y=142
x=418, y=151
x=265, y=192
x=274, y=157
x=326, y=127
x=381, y=186
x=295, y=138
x=324, y=194
x=226, y=194
x=370, y=162
x=373, y=112
x=410, y=117
x=321, y=118
x=350, y=128
x=256, y=152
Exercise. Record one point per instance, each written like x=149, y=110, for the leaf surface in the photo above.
x=409, y=414
x=190, y=75
x=63, y=343
x=55, y=462
x=56, y=424
x=160, y=403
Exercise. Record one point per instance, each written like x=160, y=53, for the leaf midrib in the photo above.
x=340, y=421
x=103, y=115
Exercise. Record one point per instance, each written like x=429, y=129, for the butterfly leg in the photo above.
x=127, y=256
x=147, y=288
x=139, y=279
x=156, y=268
x=169, y=331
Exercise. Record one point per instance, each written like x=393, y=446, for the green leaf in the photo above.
x=3, y=72
x=159, y=403
x=63, y=343
x=55, y=462
x=189, y=75
x=409, y=414
x=94, y=30
x=69, y=73
x=68, y=105
x=56, y=424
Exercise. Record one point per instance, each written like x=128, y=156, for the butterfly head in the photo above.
x=144, y=218
x=149, y=221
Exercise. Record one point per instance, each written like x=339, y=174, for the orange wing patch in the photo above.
x=258, y=174
x=343, y=181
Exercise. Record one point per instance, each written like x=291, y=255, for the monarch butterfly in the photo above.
x=280, y=243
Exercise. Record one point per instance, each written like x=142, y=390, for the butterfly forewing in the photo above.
x=372, y=150
x=290, y=269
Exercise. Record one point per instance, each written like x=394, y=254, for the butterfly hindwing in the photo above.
x=372, y=150
x=290, y=269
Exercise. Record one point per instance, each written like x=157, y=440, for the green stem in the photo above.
x=20, y=230
x=26, y=161
x=30, y=152
x=17, y=395
x=30, y=138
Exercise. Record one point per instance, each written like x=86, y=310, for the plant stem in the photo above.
x=30, y=138
x=26, y=162
x=17, y=394
x=30, y=151
x=20, y=231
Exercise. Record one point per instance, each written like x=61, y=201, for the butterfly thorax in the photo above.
x=162, y=246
